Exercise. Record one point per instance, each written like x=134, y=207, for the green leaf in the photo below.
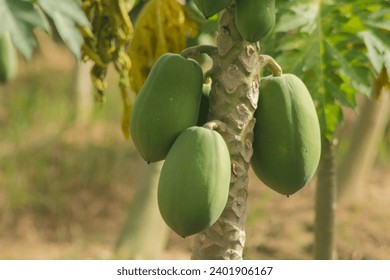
x=20, y=18
x=340, y=95
x=376, y=50
x=303, y=16
x=381, y=25
x=335, y=47
x=360, y=84
x=329, y=115
x=66, y=15
x=353, y=26
x=290, y=43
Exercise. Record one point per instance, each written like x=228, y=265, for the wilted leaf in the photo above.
x=161, y=27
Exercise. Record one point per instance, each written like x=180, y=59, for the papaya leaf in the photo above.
x=329, y=115
x=335, y=48
x=382, y=25
x=66, y=15
x=303, y=17
x=377, y=52
x=20, y=18
x=347, y=69
x=295, y=42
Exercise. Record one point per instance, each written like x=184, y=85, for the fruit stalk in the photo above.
x=233, y=100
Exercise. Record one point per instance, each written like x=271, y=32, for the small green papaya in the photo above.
x=194, y=182
x=287, y=139
x=167, y=104
x=255, y=19
x=8, y=58
x=211, y=7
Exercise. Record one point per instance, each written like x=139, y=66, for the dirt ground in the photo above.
x=277, y=227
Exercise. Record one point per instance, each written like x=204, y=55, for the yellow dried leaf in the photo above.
x=162, y=27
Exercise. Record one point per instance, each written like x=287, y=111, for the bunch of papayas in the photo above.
x=195, y=178
x=287, y=141
x=8, y=58
x=169, y=121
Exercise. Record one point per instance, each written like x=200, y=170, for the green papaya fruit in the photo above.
x=204, y=105
x=167, y=104
x=8, y=58
x=194, y=181
x=211, y=7
x=255, y=19
x=287, y=138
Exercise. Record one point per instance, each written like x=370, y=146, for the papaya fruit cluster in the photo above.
x=195, y=178
x=8, y=58
x=167, y=124
x=287, y=145
x=254, y=19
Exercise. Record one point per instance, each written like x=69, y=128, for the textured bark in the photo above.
x=144, y=234
x=359, y=159
x=233, y=100
x=325, y=202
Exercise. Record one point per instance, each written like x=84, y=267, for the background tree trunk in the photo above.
x=325, y=204
x=144, y=234
x=368, y=131
x=233, y=100
x=84, y=92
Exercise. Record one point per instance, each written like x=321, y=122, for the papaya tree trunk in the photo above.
x=325, y=204
x=365, y=139
x=144, y=234
x=233, y=100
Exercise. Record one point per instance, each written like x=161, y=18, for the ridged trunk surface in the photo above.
x=233, y=100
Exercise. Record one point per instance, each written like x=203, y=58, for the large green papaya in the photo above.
x=194, y=181
x=167, y=104
x=8, y=58
x=287, y=141
x=211, y=7
x=255, y=19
